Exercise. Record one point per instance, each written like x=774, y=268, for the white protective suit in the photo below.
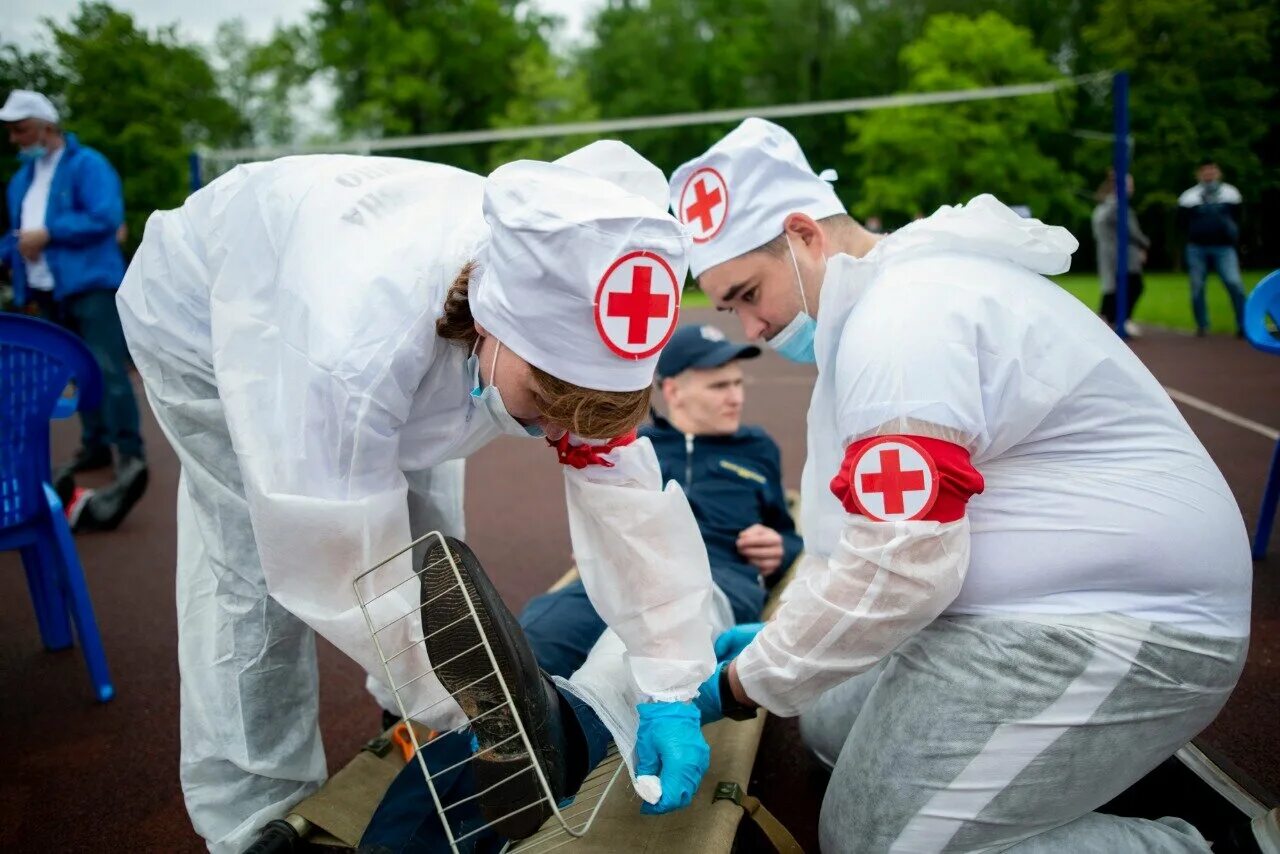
x=283, y=323
x=1102, y=513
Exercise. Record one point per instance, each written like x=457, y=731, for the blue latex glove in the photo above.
x=708, y=699
x=734, y=640
x=670, y=746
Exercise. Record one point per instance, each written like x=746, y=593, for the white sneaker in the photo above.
x=1132, y=329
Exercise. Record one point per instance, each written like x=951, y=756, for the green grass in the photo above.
x=694, y=298
x=1166, y=299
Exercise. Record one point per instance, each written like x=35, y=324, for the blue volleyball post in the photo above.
x=1120, y=165
x=193, y=168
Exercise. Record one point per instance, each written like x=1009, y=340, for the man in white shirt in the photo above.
x=1026, y=584
x=66, y=209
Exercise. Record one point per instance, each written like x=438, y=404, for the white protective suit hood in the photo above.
x=984, y=226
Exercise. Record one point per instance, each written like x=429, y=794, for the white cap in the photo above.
x=734, y=198
x=25, y=104
x=580, y=277
x=621, y=164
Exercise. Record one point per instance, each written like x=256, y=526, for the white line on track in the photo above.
x=1225, y=414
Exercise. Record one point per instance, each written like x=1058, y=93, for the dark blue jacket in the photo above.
x=1211, y=214
x=85, y=210
x=732, y=482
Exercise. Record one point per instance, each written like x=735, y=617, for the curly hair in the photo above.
x=585, y=412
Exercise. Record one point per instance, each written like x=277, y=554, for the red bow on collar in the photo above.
x=581, y=456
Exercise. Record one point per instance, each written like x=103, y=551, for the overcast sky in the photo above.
x=20, y=19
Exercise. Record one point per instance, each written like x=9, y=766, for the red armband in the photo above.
x=901, y=478
x=581, y=456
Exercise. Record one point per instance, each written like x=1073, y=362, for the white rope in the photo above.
x=670, y=120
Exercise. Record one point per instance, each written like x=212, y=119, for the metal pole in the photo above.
x=1267, y=516
x=1120, y=165
x=193, y=168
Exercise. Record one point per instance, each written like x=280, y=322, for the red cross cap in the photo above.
x=637, y=304
x=894, y=480
x=704, y=204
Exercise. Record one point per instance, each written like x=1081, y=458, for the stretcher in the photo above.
x=336, y=816
x=1196, y=784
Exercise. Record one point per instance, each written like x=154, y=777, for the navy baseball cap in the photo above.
x=700, y=347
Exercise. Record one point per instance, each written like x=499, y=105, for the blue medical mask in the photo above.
x=795, y=341
x=489, y=400
x=32, y=153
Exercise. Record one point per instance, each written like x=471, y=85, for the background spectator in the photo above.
x=65, y=211
x=1104, y=236
x=1210, y=213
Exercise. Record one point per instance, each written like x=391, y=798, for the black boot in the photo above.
x=86, y=459
x=132, y=475
x=465, y=673
x=106, y=508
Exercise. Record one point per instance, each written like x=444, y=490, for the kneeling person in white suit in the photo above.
x=1027, y=583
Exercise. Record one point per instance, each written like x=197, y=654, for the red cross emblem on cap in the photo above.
x=704, y=204
x=637, y=304
x=894, y=480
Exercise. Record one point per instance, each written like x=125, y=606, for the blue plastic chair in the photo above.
x=37, y=359
x=1264, y=301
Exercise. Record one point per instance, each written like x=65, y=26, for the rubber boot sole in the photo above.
x=513, y=799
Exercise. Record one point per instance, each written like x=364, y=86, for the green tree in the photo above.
x=264, y=82
x=659, y=56
x=429, y=66
x=549, y=90
x=28, y=70
x=1203, y=84
x=912, y=160
x=670, y=56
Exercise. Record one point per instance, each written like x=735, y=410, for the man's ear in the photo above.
x=480, y=330
x=802, y=227
x=670, y=391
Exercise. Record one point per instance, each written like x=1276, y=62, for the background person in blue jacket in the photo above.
x=732, y=476
x=65, y=208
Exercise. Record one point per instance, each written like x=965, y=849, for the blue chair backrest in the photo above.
x=1263, y=300
x=37, y=359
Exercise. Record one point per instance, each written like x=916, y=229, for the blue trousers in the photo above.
x=92, y=316
x=561, y=626
x=406, y=822
x=1201, y=260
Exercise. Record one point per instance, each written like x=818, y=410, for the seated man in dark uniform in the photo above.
x=732, y=476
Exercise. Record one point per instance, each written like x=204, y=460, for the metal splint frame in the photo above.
x=391, y=602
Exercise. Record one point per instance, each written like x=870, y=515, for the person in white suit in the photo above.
x=1026, y=583
x=319, y=337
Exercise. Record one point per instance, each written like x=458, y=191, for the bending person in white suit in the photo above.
x=316, y=333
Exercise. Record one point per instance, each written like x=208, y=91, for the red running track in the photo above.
x=86, y=777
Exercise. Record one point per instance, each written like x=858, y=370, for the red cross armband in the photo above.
x=586, y=454
x=906, y=478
